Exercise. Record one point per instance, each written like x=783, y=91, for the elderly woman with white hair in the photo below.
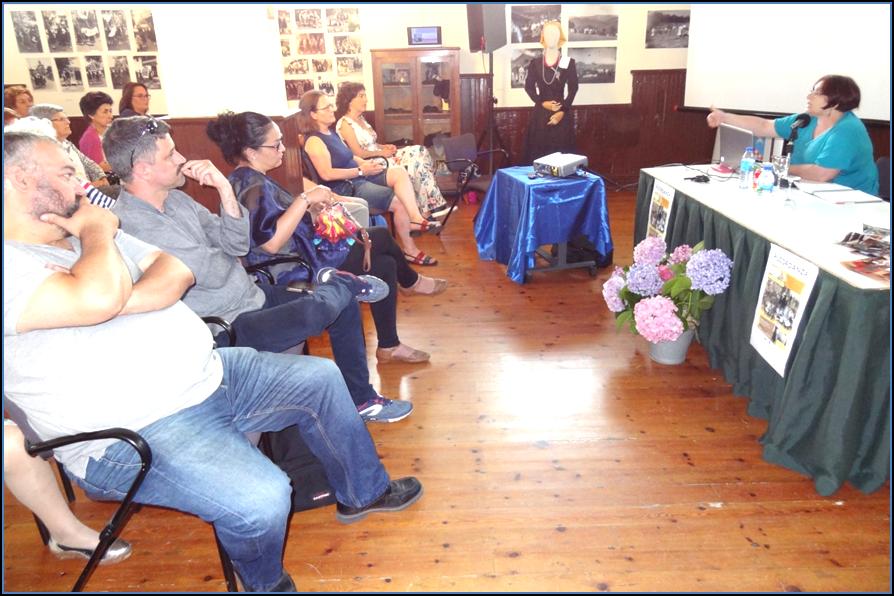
x=86, y=168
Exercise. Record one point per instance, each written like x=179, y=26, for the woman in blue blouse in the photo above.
x=833, y=146
x=282, y=223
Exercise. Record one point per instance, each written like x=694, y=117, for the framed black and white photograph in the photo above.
x=348, y=65
x=24, y=23
x=599, y=27
x=115, y=26
x=342, y=20
x=527, y=21
x=86, y=31
x=519, y=71
x=146, y=68
x=96, y=73
x=70, y=76
x=346, y=44
x=41, y=72
x=144, y=30
x=667, y=29
x=58, y=31
x=309, y=18
x=424, y=36
x=595, y=65
x=285, y=22
x=326, y=86
x=297, y=67
x=120, y=71
x=322, y=64
x=310, y=43
x=296, y=88
x=285, y=48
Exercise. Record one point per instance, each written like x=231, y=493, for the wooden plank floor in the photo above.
x=555, y=456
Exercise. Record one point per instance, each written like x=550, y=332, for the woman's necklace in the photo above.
x=552, y=68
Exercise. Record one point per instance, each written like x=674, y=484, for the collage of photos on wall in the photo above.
x=87, y=50
x=321, y=47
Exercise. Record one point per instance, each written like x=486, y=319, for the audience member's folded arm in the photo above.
x=164, y=281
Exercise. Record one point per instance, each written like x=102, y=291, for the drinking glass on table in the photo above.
x=780, y=167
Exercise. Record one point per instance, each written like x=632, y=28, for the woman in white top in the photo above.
x=357, y=134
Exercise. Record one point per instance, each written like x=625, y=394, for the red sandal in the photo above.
x=421, y=259
x=421, y=227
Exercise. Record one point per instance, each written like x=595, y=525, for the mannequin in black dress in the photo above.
x=551, y=126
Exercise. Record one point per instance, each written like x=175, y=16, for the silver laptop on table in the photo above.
x=731, y=142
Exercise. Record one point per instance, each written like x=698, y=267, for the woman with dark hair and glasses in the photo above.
x=335, y=163
x=357, y=134
x=282, y=223
x=96, y=107
x=833, y=145
x=134, y=100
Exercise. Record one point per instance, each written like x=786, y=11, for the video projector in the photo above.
x=560, y=165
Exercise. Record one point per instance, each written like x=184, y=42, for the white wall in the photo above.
x=227, y=56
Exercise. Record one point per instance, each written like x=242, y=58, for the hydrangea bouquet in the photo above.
x=662, y=295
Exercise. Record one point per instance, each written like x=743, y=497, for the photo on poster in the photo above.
x=667, y=29
x=24, y=23
x=115, y=26
x=96, y=73
x=147, y=71
x=599, y=27
x=285, y=47
x=310, y=43
x=285, y=22
x=342, y=20
x=520, y=61
x=41, y=73
x=660, y=206
x=322, y=64
x=527, y=21
x=595, y=65
x=346, y=44
x=326, y=86
x=309, y=18
x=70, y=76
x=295, y=88
x=297, y=67
x=144, y=30
x=349, y=65
x=86, y=30
x=58, y=31
x=120, y=71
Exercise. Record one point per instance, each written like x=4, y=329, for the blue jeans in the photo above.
x=289, y=317
x=203, y=464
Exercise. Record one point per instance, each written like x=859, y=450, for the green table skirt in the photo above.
x=830, y=417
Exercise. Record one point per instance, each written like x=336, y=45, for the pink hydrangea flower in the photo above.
x=657, y=320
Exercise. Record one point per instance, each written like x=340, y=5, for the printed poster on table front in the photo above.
x=787, y=283
x=659, y=210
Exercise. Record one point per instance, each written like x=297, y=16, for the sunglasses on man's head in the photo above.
x=149, y=127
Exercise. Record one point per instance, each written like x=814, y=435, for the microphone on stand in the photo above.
x=801, y=120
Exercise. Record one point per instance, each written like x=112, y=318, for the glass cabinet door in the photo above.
x=397, y=99
x=436, y=73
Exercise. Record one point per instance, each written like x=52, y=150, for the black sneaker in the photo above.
x=400, y=494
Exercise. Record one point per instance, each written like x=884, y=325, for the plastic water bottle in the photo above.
x=766, y=179
x=745, y=167
x=759, y=149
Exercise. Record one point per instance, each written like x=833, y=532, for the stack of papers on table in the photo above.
x=836, y=193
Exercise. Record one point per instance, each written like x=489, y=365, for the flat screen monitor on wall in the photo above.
x=765, y=58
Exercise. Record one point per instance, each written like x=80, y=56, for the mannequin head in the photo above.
x=552, y=36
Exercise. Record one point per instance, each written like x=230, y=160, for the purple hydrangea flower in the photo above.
x=681, y=254
x=709, y=271
x=650, y=251
x=644, y=280
x=656, y=319
x=611, y=290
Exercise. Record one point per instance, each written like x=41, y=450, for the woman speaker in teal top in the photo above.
x=832, y=144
